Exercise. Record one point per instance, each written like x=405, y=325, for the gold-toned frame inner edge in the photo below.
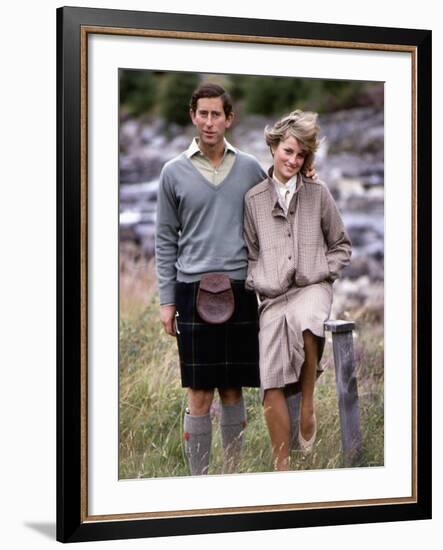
x=85, y=30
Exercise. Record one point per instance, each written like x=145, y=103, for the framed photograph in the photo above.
x=125, y=81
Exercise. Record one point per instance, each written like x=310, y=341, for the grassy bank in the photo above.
x=152, y=403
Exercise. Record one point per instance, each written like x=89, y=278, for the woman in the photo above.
x=297, y=246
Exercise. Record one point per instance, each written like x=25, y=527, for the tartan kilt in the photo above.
x=217, y=356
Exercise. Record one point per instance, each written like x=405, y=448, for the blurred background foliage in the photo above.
x=164, y=94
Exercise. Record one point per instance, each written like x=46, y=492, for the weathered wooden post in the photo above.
x=346, y=382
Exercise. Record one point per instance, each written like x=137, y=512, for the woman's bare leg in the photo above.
x=278, y=422
x=307, y=380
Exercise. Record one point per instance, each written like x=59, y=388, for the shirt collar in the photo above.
x=194, y=149
x=273, y=187
x=290, y=185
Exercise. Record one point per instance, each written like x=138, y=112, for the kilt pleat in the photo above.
x=218, y=356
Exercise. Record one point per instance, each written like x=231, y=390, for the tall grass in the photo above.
x=152, y=404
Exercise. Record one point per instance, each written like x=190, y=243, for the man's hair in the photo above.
x=303, y=126
x=211, y=90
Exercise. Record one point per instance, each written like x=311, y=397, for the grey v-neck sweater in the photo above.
x=199, y=225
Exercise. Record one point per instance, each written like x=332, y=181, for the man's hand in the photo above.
x=310, y=172
x=167, y=317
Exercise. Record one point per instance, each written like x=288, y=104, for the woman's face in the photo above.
x=288, y=159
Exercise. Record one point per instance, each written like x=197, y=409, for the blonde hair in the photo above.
x=303, y=126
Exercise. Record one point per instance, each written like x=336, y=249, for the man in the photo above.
x=200, y=231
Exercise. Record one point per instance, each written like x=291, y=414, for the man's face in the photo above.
x=210, y=121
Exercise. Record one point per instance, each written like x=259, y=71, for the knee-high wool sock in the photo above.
x=198, y=436
x=232, y=425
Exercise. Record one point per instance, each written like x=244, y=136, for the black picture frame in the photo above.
x=73, y=24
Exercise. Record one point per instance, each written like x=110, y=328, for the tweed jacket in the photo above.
x=306, y=245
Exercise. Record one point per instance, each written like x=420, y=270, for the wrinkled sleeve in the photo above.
x=251, y=239
x=166, y=239
x=338, y=252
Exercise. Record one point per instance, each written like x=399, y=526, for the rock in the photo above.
x=146, y=233
x=139, y=191
x=141, y=165
x=358, y=298
x=372, y=140
x=364, y=266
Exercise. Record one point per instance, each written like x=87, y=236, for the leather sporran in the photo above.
x=215, y=298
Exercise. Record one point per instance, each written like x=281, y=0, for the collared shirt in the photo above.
x=286, y=190
x=214, y=175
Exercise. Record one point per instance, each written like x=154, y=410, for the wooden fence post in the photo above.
x=346, y=382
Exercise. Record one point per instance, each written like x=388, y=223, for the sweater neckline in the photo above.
x=207, y=182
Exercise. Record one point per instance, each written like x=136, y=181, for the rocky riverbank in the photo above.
x=350, y=160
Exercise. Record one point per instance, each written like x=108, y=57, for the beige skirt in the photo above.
x=282, y=322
